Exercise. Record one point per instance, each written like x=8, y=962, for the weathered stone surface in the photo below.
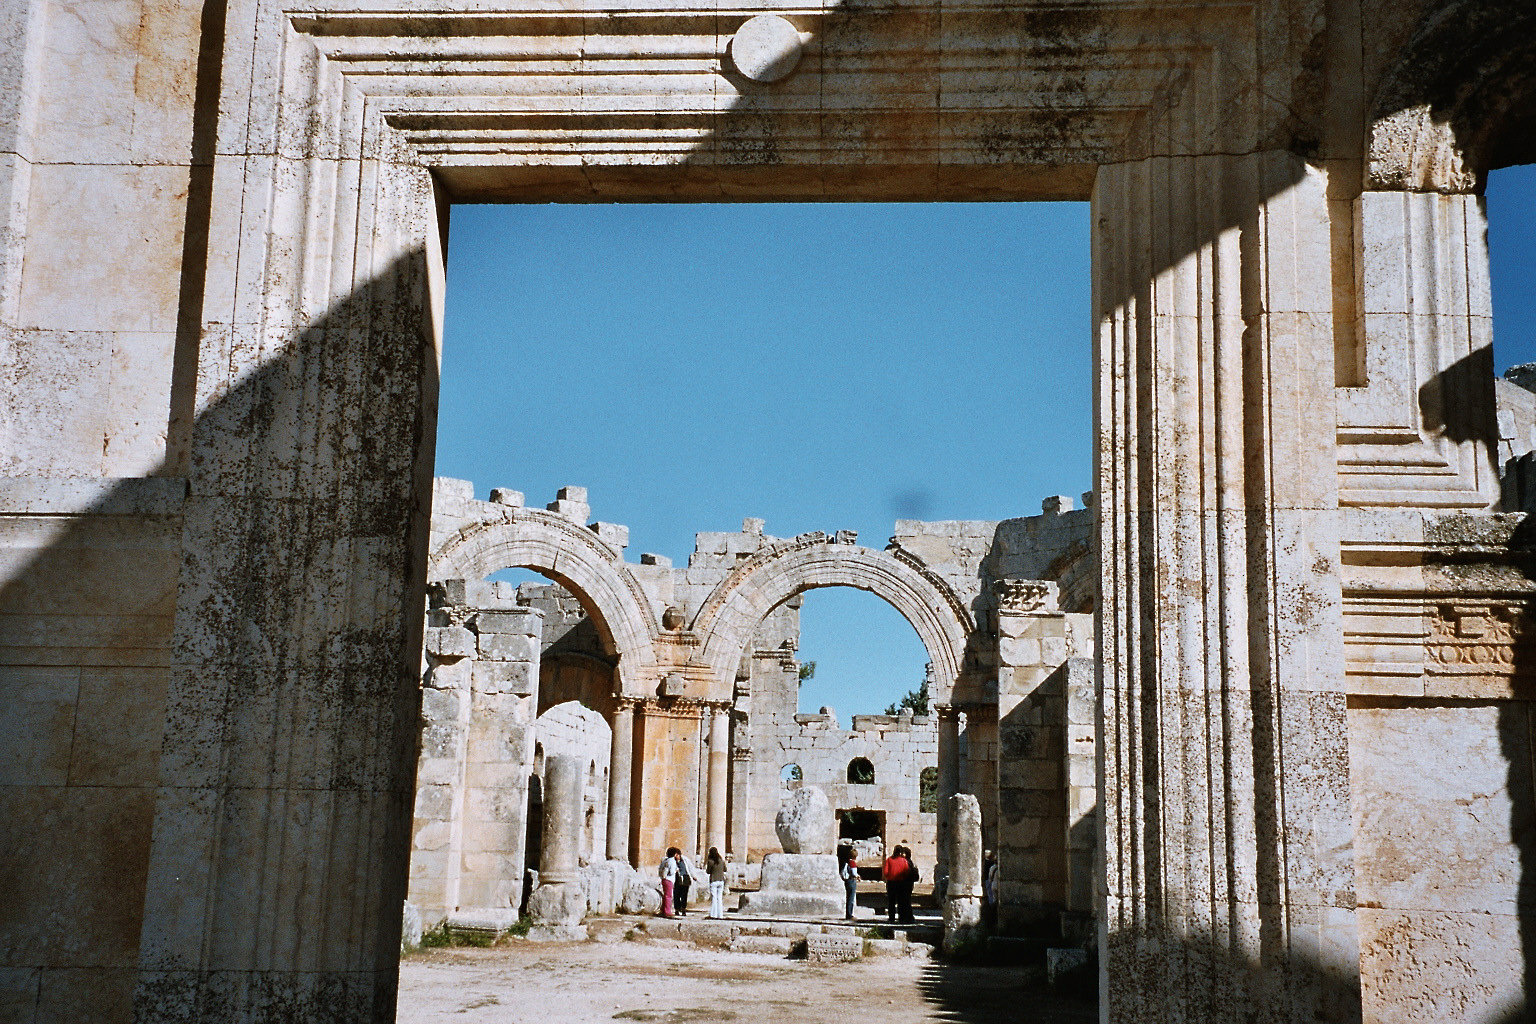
x=833, y=948
x=766, y=49
x=1276, y=457
x=773, y=945
x=805, y=822
x=641, y=898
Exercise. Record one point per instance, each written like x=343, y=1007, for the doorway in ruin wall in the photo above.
x=337, y=172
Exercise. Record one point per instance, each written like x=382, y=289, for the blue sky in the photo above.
x=823, y=367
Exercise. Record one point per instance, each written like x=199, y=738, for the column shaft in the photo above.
x=719, y=771
x=620, y=780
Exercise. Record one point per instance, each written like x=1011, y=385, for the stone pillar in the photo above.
x=559, y=859
x=499, y=751
x=620, y=780
x=962, y=897
x=949, y=777
x=719, y=773
x=1229, y=861
x=437, y=837
x=559, y=901
x=1031, y=840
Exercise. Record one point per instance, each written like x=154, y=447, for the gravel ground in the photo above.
x=533, y=983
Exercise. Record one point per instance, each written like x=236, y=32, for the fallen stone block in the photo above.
x=558, y=933
x=833, y=948
x=777, y=945
x=885, y=947
x=1060, y=963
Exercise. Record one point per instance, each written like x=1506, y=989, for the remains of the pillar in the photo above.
x=962, y=897
x=559, y=900
x=802, y=881
x=477, y=721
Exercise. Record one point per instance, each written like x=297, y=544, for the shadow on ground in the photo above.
x=977, y=994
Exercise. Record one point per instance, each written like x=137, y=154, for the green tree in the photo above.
x=916, y=699
x=807, y=670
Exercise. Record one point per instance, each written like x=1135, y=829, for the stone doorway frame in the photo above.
x=342, y=135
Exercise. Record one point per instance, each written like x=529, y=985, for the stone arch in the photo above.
x=576, y=558
x=1459, y=100
x=731, y=614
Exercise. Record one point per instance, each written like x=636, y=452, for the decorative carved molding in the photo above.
x=1480, y=639
x=1025, y=597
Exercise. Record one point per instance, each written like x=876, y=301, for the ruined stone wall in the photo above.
x=899, y=748
x=477, y=750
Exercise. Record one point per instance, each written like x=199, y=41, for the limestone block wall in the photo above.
x=471, y=820
x=969, y=554
x=899, y=748
x=98, y=154
x=89, y=571
x=1046, y=789
x=1442, y=796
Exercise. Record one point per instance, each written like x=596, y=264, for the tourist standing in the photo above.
x=848, y=870
x=714, y=865
x=683, y=884
x=899, y=873
x=668, y=872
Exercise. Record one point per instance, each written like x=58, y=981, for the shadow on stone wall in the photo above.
x=254, y=867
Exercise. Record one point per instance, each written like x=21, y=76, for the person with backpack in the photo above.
x=682, y=885
x=848, y=871
x=899, y=874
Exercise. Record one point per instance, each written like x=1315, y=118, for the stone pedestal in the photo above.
x=797, y=885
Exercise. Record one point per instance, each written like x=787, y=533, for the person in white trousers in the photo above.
x=714, y=864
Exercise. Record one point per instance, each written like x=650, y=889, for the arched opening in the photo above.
x=858, y=655
x=790, y=776
x=576, y=660
x=861, y=772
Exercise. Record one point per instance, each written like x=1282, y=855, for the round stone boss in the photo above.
x=766, y=48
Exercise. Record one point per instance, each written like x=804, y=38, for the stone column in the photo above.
x=949, y=777
x=1229, y=862
x=719, y=774
x=620, y=780
x=559, y=901
x=962, y=898
x=559, y=859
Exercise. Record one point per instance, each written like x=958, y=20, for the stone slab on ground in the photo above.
x=775, y=944
x=481, y=923
x=885, y=947
x=833, y=948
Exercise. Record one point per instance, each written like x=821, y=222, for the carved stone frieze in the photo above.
x=1025, y=597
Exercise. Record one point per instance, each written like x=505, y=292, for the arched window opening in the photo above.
x=861, y=772
x=790, y=776
x=928, y=791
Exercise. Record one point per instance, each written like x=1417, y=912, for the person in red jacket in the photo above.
x=899, y=873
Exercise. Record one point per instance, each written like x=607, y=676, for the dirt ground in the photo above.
x=533, y=983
